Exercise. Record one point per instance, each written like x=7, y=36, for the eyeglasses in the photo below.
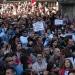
x=67, y=62
x=10, y=60
x=23, y=26
x=25, y=32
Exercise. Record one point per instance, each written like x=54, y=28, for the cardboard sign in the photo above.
x=58, y=22
x=38, y=26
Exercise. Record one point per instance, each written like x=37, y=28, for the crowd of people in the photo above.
x=32, y=44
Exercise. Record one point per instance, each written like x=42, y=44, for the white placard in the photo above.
x=38, y=26
x=58, y=22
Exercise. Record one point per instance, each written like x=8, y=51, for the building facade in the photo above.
x=68, y=7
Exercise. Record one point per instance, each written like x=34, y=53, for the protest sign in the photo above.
x=58, y=22
x=38, y=26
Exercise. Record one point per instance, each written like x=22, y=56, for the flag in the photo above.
x=32, y=1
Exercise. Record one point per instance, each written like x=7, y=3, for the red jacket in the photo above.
x=62, y=71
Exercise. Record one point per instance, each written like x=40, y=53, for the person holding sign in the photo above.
x=58, y=23
x=39, y=26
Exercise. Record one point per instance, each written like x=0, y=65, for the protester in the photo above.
x=10, y=71
x=34, y=41
x=39, y=66
x=66, y=67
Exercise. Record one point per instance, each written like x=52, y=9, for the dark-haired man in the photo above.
x=10, y=71
x=24, y=39
x=39, y=66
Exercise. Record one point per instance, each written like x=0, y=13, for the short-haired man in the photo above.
x=39, y=66
x=68, y=50
x=46, y=54
x=10, y=71
x=57, y=60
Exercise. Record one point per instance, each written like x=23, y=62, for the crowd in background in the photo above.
x=24, y=51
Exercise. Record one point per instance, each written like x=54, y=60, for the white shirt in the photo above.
x=47, y=40
x=2, y=34
x=66, y=72
x=36, y=66
x=6, y=51
x=62, y=35
x=73, y=37
x=24, y=41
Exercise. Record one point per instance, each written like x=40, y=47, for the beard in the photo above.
x=39, y=61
